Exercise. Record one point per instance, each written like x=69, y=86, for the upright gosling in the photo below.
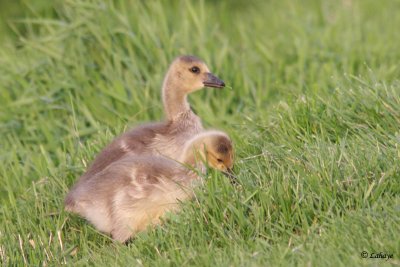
x=136, y=191
x=186, y=74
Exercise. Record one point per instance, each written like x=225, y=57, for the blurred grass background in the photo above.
x=314, y=114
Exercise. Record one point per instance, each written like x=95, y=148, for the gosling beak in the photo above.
x=229, y=173
x=213, y=81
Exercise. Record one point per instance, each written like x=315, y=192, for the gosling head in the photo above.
x=215, y=147
x=190, y=74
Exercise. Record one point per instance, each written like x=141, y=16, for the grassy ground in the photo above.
x=314, y=114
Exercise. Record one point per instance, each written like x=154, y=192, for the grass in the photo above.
x=314, y=113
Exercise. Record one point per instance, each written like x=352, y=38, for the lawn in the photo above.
x=314, y=113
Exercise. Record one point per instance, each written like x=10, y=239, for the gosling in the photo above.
x=136, y=191
x=186, y=75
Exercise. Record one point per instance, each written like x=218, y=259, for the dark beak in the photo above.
x=229, y=173
x=213, y=81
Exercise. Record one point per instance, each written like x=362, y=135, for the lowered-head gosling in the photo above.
x=135, y=191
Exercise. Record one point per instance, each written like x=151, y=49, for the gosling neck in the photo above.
x=174, y=99
x=194, y=151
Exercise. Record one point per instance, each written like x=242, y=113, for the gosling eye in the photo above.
x=220, y=161
x=195, y=70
